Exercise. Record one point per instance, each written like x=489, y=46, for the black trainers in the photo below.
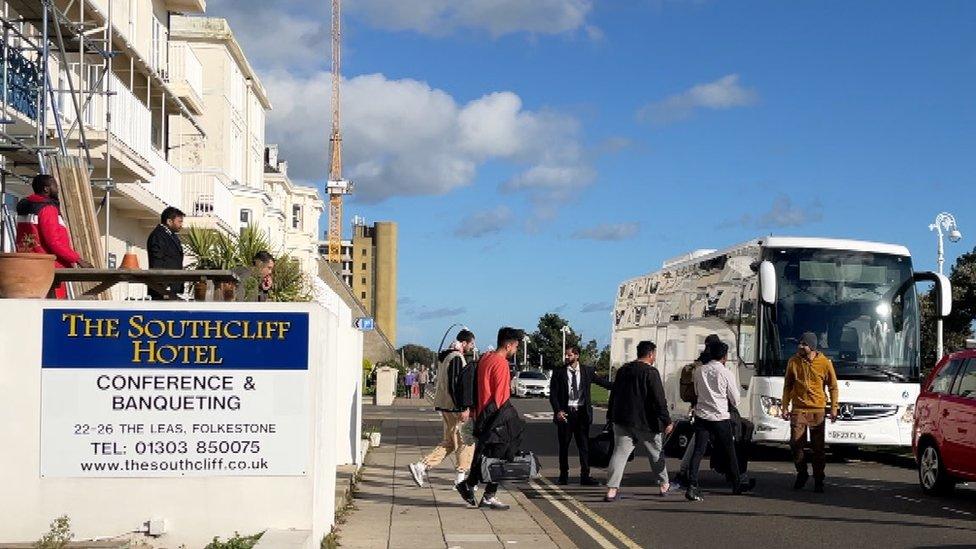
x=818, y=486
x=467, y=494
x=693, y=494
x=744, y=486
x=801, y=480
x=563, y=480
x=589, y=481
x=492, y=502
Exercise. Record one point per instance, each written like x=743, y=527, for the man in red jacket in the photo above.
x=494, y=387
x=42, y=230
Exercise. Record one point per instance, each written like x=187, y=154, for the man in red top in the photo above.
x=42, y=230
x=493, y=381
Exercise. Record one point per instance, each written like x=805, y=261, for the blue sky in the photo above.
x=535, y=154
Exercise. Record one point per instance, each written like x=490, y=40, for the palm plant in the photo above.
x=212, y=249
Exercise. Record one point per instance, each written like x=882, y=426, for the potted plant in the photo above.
x=25, y=274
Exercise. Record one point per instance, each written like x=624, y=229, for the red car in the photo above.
x=944, y=437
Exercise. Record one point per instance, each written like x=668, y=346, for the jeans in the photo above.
x=724, y=442
x=799, y=424
x=624, y=440
x=474, y=474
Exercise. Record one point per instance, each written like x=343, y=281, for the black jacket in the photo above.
x=164, y=249
x=637, y=398
x=559, y=389
x=499, y=431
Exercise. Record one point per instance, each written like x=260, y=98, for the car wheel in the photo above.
x=932, y=475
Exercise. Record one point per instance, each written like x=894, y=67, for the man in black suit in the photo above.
x=572, y=409
x=164, y=246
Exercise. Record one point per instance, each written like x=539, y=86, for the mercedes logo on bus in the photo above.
x=847, y=411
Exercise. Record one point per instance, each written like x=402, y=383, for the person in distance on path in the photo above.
x=639, y=412
x=453, y=411
x=716, y=391
x=498, y=425
x=804, y=402
x=572, y=409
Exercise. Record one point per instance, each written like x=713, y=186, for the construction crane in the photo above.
x=337, y=187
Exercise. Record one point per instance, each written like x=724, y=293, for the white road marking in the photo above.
x=583, y=525
x=913, y=500
x=611, y=529
x=538, y=416
x=951, y=510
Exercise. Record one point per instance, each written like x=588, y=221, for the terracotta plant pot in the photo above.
x=228, y=291
x=200, y=291
x=26, y=275
x=130, y=261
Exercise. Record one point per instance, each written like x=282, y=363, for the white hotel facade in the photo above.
x=187, y=130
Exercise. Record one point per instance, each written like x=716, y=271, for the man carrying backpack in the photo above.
x=686, y=390
x=454, y=404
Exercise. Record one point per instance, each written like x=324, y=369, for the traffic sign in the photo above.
x=365, y=323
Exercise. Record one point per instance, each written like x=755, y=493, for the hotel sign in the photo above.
x=174, y=393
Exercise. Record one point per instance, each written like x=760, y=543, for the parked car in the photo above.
x=528, y=383
x=944, y=437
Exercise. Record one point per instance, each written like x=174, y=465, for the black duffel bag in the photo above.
x=601, y=448
x=522, y=468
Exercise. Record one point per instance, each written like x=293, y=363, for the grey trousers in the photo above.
x=624, y=440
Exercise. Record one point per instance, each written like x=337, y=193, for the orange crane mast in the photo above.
x=337, y=187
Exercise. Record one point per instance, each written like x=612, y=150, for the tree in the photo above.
x=958, y=326
x=417, y=354
x=589, y=353
x=603, y=362
x=548, y=339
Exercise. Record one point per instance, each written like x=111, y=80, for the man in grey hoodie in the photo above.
x=453, y=412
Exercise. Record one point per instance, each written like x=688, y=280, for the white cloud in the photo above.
x=484, y=223
x=782, y=214
x=497, y=17
x=443, y=312
x=404, y=138
x=724, y=93
x=609, y=231
x=300, y=34
x=597, y=307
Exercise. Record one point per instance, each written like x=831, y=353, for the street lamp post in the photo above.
x=947, y=223
x=565, y=330
x=443, y=339
x=525, y=350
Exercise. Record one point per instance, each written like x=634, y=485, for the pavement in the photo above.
x=389, y=510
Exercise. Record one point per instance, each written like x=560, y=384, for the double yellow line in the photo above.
x=556, y=497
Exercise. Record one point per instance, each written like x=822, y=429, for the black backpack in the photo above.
x=465, y=390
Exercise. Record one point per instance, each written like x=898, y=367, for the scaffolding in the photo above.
x=36, y=34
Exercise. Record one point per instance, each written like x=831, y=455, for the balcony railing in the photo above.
x=167, y=183
x=206, y=195
x=23, y=82
x=186, y=71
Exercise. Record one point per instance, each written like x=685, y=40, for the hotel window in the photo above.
x=296, y=217
x=364, y=295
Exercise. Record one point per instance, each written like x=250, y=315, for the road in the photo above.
x=871, y=501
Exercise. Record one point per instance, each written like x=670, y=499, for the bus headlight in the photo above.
x=909, y=415
x=771, y=406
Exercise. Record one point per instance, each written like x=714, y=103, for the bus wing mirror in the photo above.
x=767, y=282
x=943, y=290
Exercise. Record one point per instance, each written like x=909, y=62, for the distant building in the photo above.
x=369, y=268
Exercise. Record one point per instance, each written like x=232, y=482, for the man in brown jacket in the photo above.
x=804, y=404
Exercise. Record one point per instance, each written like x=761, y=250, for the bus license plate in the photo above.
x=846, y=435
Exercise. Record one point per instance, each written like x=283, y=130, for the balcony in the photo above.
x=208, y=202
x=23, y=81
x=186, y=76
x=167, y=182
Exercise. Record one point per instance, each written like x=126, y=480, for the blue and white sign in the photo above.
x=365, y=323
x=174, y=393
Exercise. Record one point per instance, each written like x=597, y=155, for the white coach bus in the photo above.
x=760, y=297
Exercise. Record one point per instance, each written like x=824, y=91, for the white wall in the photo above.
x=196, y=508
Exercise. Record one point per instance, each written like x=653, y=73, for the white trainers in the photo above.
x=461, y=477
x=493, y=503
x=417, y=471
